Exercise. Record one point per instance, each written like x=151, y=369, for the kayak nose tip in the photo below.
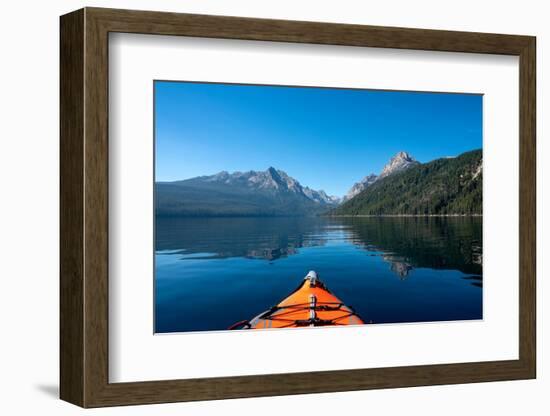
x=312, y=277
x=312, y=274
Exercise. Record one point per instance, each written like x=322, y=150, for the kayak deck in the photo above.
x=310, y=305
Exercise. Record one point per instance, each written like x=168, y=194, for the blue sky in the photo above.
x=325, y=138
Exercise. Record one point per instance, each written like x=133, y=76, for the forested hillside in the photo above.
x=449, y=186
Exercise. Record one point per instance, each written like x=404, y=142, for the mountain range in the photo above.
x=254, y=193
x=404, y=186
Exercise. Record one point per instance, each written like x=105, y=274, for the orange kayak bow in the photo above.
x=311, y=304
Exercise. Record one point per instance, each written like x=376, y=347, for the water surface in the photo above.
x=213, y=272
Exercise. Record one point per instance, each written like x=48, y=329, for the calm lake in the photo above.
x=213, y=272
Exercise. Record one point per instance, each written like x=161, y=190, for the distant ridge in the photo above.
x=254, y=193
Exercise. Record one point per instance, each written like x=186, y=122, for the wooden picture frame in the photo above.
x=84, y=207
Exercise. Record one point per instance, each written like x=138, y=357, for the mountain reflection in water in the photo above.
x=213, y=272
x=404, y=242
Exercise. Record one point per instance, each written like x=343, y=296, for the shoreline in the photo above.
x=404, y=215
x=325, y=216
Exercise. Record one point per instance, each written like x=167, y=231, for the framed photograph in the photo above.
x=255, y=207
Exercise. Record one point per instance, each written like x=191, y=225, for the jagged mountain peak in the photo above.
x=402, y=160
x=403, y=155
x=274, y=173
